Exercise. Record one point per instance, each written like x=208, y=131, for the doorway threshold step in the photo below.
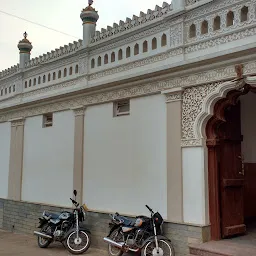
x=223, y=248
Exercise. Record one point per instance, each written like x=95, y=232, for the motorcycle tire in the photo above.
x=168, y=251
x=43, y=243
x=111, y=248
x=71, y=249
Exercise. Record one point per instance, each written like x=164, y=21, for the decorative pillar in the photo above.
x=89, y=16
x=174, y=155
x=25, y=48
x=16, y=159
x=78, y=152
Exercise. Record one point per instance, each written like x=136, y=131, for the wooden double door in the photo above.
x=231, y=174
x=232, y=180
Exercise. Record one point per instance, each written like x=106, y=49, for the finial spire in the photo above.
x=90, y=2
x=25, y=35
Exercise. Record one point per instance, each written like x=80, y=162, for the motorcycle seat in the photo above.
x=126, y=222
x=52, y=215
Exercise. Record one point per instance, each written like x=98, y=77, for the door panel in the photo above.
x=249, y=190
x=231, y=175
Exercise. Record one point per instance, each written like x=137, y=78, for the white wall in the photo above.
x=248, y=127
x=125, y=157
x=48, y=160
x=194, y=196
x=5, y=131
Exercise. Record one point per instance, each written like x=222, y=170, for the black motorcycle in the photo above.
x=142, y=234
x=65, y=227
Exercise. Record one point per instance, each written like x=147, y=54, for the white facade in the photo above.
x=188, y=47
x=48, y=160
x=125, y=157
x=5, y=131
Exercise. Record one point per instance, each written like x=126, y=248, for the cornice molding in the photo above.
x=137, y=89
x=174, y=94
x=79, y=111
x=17, y=122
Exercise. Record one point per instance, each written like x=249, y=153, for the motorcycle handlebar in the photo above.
x=74, y=202
x=149, y=208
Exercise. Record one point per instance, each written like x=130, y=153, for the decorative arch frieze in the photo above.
x=198, y=107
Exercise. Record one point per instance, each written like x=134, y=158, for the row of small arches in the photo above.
x=6, y=90
x=136, y=51
x=217, y=22
x=53, y=77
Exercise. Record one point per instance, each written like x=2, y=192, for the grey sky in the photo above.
x=62, y=15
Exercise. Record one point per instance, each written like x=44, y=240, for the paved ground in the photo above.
x=21, y=245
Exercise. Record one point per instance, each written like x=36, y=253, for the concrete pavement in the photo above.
x=21, y=245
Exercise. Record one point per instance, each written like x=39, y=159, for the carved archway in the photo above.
x=209, y=102
x=212, y=135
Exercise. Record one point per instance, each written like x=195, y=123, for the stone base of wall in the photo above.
x=1, y=213
x=22, y=217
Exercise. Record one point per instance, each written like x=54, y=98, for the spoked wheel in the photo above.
x=42, y=242
x=165, y=249
x=117, y=237
x=78, y=245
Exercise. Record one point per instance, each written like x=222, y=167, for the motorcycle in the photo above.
x=65, y=227
x=143, y=234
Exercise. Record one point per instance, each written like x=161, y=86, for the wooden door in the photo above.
x=231, y=174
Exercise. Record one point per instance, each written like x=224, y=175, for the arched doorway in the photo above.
x=226, y=168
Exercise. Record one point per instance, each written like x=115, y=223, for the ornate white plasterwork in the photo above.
x=83, y=65
x=133, y=24
x=137, y=64
x=221, y=40
x=175, y=81
x=176, y=35
x=214, y=6
x=174, y=94
x=137, y=36
x=17, y=122
x=198, y=105
x=192, y=106
x=85, y=100
x=79, y=111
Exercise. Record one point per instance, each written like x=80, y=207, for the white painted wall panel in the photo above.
x=125, y=157
x=193, y=185
x=248, y=127
x=5, y=131
x=48, y=160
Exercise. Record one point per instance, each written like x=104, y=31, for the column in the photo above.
x=16, y=159
x=78, y=152
x=174, y=155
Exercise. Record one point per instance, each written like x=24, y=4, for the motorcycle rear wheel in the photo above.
x=42, y=242
x=112, y=250
x=165, y=249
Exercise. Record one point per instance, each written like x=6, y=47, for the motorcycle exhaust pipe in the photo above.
x=42, y=235
x=119, y=245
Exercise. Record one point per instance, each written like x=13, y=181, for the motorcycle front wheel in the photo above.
x=80, y=245
x=165, y=249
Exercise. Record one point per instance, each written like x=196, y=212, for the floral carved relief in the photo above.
x=192, y=106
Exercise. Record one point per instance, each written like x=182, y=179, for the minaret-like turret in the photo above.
x=25, y=48
x=89, y=17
